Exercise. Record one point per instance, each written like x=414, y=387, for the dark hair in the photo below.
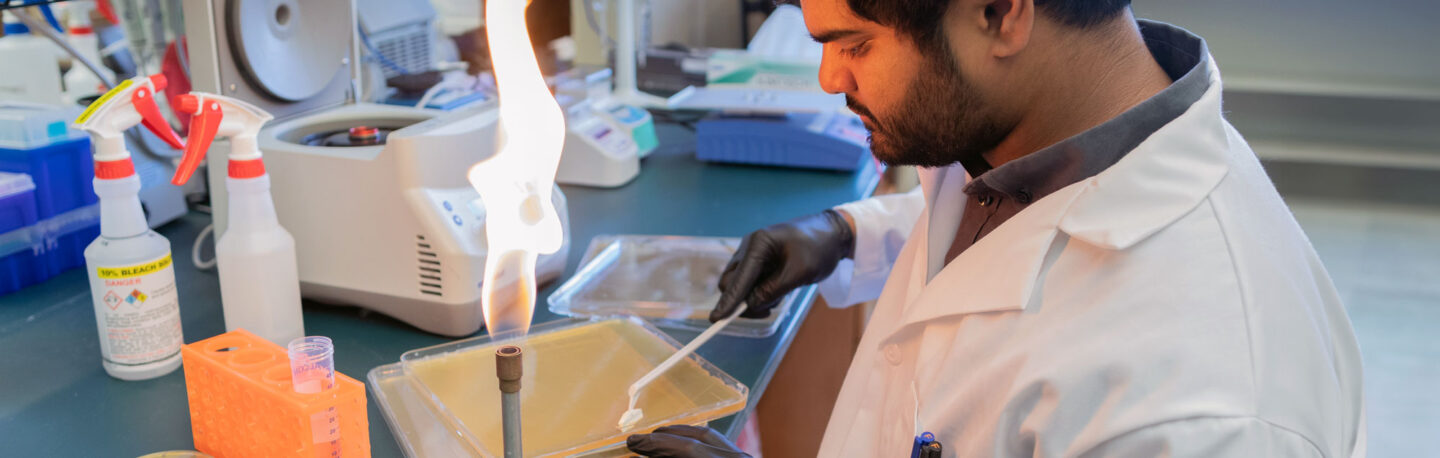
x=921, y=19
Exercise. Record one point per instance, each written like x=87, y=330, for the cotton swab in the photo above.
x=633, y=416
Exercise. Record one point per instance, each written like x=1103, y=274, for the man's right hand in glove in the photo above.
x=775, y=260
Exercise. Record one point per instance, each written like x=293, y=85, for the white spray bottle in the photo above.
x=137, y=306
x=259, y=278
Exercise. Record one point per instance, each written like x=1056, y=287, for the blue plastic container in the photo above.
x=65, y=213
x=36, y=252
x=17, y=216
x=62, y=172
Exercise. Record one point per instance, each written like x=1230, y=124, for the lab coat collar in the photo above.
x=1163, y=179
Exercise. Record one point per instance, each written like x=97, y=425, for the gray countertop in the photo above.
x=55, y=400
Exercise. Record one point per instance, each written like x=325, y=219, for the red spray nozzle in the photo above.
x=203, y=127
x=108, y=11
x=188, y=103
x=143, y=99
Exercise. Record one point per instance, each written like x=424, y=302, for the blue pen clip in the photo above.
x=922, y=441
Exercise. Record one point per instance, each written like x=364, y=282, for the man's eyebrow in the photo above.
x=832, y=35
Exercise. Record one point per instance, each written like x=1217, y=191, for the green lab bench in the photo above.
x=55, y=400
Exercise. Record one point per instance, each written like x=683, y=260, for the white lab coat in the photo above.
x=1169, y=306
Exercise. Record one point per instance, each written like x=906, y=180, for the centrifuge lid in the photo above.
x=288, y=49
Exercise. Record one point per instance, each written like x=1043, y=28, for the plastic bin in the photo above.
x=38, y=141
x=27, y=125
x=46, y=248
x=63, y=173
x=17, y=216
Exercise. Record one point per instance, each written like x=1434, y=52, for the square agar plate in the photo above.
x=671, y=281
x=574, y=390
x=418, y=428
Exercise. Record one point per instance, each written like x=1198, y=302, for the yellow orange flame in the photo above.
x=515, y=184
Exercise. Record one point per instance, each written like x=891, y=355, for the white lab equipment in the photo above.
x=400, y=34
x=375, y=196
x=132, y=281
x=259, y=280
x=30, y=72
x=605, y=138
x=626, y=90
x=598, y=151
x=81, y=81
x=776, y=73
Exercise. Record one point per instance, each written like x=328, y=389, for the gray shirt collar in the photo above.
x=1183, y=55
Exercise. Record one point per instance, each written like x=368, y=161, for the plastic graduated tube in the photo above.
x=243, y=404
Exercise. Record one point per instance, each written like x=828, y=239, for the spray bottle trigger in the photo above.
x=143, y=99
x=159, y=81
x=203, y=127
x=108, y=11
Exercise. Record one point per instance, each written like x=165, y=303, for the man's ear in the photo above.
x=1009, y=24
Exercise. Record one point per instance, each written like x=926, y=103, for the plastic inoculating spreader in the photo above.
x=446, y=400
x=242, y=403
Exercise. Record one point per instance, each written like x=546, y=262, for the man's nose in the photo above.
x=835, y=78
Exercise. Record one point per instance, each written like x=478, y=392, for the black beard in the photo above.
x=941, y=120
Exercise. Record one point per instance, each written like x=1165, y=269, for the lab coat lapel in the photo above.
x=1154, y=185
x=945, y=202
x=995, y=274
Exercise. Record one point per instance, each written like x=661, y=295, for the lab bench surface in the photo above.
x=55, y=400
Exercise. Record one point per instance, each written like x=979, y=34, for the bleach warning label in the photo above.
x=115, y=273
x=138, y=310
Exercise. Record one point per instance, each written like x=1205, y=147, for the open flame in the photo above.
x=515, y=184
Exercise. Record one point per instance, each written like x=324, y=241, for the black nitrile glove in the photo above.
x=775, y=260
x=684, y=441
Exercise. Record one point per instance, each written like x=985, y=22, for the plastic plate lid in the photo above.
x=671, y=281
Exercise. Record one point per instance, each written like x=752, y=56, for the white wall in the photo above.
x=1354, y=83
x=1371, y=48
x=694, y=23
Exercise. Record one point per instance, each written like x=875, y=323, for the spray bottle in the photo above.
x=137, y=306
x=259, y=280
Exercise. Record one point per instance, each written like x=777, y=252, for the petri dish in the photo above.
x=417, y=428
x=574, y=390
x=671, y=281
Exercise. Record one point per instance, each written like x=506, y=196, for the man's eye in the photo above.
x=855, y=51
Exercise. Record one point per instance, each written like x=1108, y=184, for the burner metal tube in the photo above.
x=508, y=368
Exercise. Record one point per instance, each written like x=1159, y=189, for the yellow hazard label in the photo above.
x=101, y=101
x=113, y=273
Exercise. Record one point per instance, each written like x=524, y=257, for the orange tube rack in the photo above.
x=242, y=403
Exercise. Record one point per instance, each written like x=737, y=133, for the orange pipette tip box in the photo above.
x=243, y=405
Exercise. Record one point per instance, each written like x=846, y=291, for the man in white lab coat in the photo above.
x=1095, y=263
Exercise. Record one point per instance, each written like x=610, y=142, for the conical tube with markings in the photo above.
x=312, y=370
